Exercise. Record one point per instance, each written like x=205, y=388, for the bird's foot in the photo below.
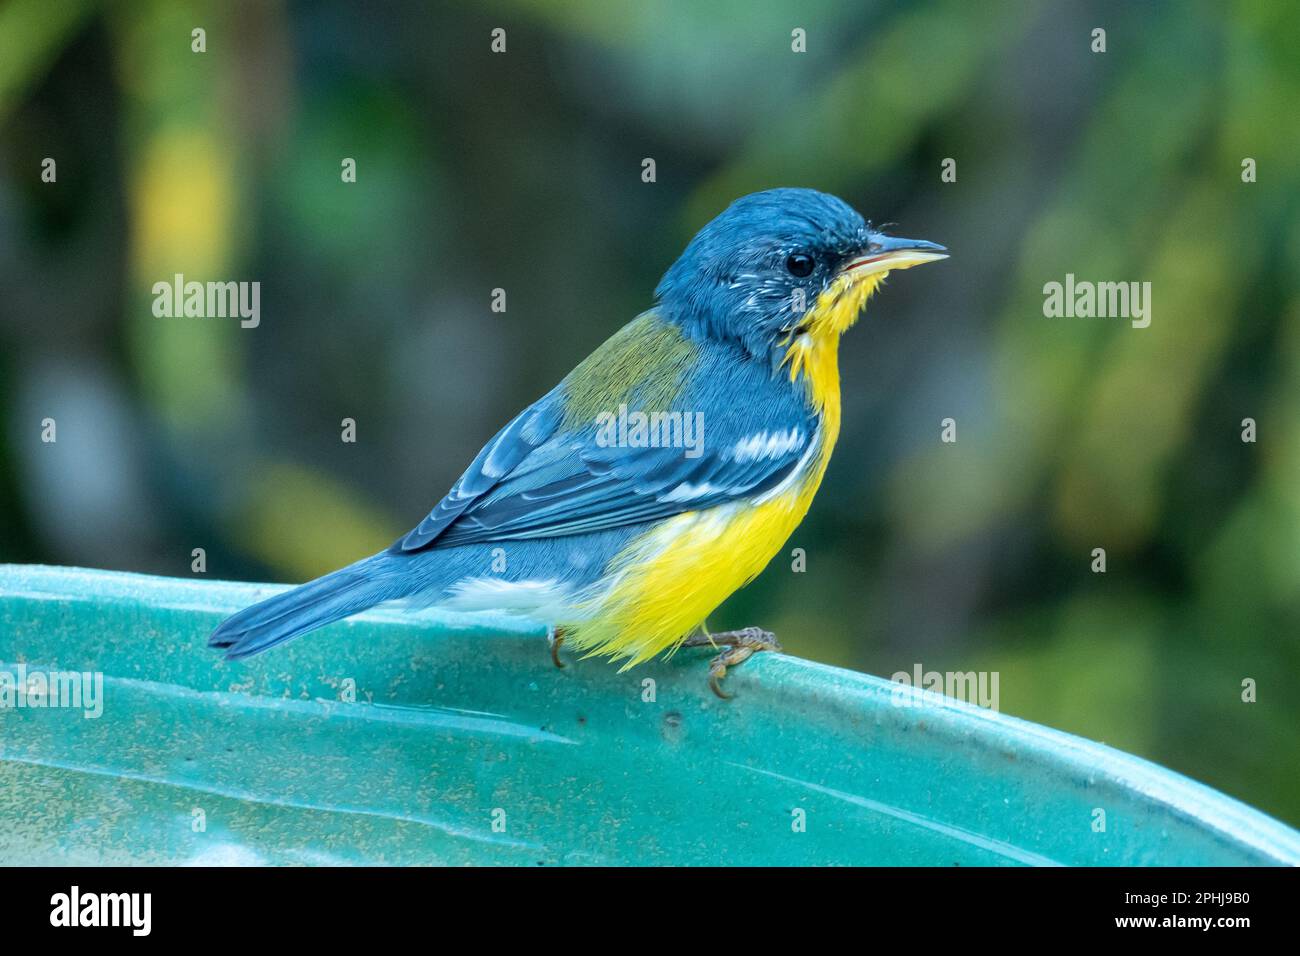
x=740, y=646
x=554, y=638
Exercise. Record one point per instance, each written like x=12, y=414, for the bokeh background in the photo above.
x=522, y=171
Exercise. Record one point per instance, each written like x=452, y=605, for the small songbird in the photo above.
x=593, y=511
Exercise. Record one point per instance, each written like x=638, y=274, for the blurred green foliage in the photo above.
x=522, y=171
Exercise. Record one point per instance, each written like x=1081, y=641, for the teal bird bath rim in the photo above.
x=418, y=738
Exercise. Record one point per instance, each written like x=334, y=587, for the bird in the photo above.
x=619, y=536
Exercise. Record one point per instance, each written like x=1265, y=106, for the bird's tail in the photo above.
x=282, y=618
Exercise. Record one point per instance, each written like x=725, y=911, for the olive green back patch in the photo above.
x=643, y=365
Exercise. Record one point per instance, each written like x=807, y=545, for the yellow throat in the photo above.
x=812, y=349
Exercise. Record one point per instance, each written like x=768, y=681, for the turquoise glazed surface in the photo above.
x=463, y=744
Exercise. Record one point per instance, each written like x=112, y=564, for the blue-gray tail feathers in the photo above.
x=330, y=598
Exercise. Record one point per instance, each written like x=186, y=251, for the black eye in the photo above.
x=800, y=265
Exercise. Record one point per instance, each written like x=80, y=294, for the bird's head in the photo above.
x=780, y=264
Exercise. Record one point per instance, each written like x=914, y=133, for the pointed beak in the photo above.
x=887, y=253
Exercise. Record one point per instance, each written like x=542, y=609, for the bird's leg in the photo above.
x=554, y=638
x=741, y=646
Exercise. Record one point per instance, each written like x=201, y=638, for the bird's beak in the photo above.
x=887, y=253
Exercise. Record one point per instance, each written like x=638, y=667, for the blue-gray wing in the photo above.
x=527, y=432
x=574, y=485
x=541, y=477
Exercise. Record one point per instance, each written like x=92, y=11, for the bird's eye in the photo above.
x=799, y=265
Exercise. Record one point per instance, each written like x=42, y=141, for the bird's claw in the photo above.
x=554, y=638
x=740, y=646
